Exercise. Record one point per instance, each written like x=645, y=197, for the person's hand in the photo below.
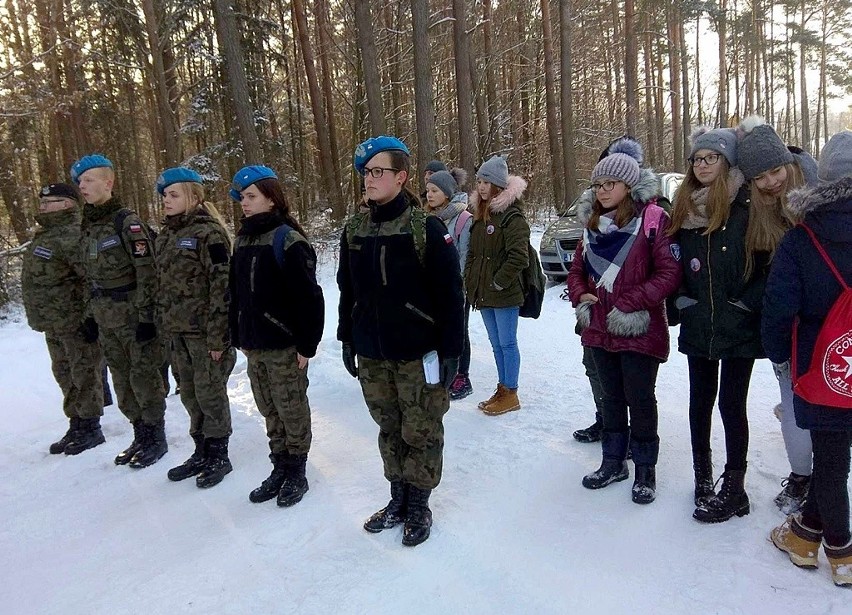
x=216, y=355
x=449, y=369
x=588, y=298
x=145, y=332
x=303, y=361
x=88, y=330
x=349, y=359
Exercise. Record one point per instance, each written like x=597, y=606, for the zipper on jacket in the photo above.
x=382, y=267
x=420, y=312
x=376, y=303
x=251, y=273
x=712, y=303
x=277, y=323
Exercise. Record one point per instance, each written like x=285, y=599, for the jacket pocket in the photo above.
x=277, y=323
x=420, y=313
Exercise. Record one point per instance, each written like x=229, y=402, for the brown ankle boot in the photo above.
x=798, y=541
x=507, y=402
x=840, y=559
x=494, y=396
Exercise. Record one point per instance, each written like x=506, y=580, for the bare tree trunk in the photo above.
x=550, y=106
x=722, y=29
x=672, y=20
x=494, y=137
x=370, y=66
x=464, y=87
x=803, y=85
x=631, y=61
x=424, y=101
x=569, y=158
x=325, y=47
x=684, y=69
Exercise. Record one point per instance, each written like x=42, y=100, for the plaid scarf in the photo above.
x=606, y=249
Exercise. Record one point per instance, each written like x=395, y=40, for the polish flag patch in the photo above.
x=135, y=228
x=448, y=238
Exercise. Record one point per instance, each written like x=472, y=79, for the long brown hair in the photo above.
x=625, y=211
x=271, y=188
x=483, y=212
x=718, y=202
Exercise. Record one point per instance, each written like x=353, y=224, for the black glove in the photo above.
x=89, y=330
x=349, y=359
x=449, y=369
x=145, y=332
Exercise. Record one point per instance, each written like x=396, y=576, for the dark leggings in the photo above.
x=464, y=360
x=627, y=381
x=732, y=387
x=594, y=381
x=827, y=506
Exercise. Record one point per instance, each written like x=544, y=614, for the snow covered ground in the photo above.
x=514, y=531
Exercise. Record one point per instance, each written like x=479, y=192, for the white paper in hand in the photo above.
x=431, y=367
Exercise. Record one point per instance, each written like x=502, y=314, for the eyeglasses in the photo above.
x=709, y=160
x=377, y=172
x=604, y=187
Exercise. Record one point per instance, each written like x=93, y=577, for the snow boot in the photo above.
x=295, y=485
x=58, y=447
x=461, y=387
x=88, y=435
x=497, y=394
x=191, y=466
x=124, y=457
x=418, y=517
x=840, y=559
x=507, y=402
x=154, y=446
x=645, y=455
x=798, y=541
x=731, y=500
x=217, y=465
x=792, y=496
x=702, y=465
x=592, y=433
x=613, y=466
x=392, y=514
x=270, y=487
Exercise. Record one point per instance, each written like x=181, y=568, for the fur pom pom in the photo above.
x=627, y=145
x=460, y=175
x=698, y=131
x=750, y=123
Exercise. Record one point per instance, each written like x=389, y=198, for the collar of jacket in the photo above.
x=54, y=219
x=391, y=210
x=92, y=213
x=259, y=224
x=185, y=219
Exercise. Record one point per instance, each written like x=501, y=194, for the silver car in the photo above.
x=560, y=239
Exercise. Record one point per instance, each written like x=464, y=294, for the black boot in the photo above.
x=418, y=517
x=295, y=485
x=392, y=514
x=88, y=435
x=191, y=466
x=154, y=446
x=613, y=466
x=645, y=456
x=217, y=465
x=702, y=464
x=270, y=487
x=58, y=447
x=792, y=496
x=592, y=433
x=124, y=457
x=731, y=500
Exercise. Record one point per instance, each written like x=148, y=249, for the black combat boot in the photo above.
x=271, y=486
x=418, y=517
x=58, y=447
x=124, y=457
x=731, y=500
x=392, y=514
x=613, y=466
x=216, y=465
x=592, y=433
x=154, y=446
x=645, y=456
x=295, y=484
x=88, y=435
x=191, y=466
x=702, y=464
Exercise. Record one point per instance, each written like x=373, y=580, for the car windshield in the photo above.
x=571, y=211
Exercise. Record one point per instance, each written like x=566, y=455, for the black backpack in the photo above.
x=533, y=280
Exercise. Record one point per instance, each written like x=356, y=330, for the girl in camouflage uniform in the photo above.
x=193, y=254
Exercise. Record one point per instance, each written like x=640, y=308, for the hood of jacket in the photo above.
x=512, y=192
x=645, y=189
x=826, y=209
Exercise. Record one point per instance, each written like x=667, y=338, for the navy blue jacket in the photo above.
x=801, y=284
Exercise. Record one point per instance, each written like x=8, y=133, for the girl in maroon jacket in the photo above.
x=622, y=272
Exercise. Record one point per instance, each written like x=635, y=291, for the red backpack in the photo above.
x=828, y=381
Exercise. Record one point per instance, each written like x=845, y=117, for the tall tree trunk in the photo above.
x=370, y=66
x=672, y=25
x=631, y=61
x=325, y=47
x=556, y=167
x=424, y=101
x=569, y=158
x=494, y=137
x=722, y=29
x=803, y=82
x=464, y=87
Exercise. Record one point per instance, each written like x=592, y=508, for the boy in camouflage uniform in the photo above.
x=119, y=264
x=54, y=285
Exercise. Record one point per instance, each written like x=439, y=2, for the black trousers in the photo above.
x=627, y=381
x=594, y=381
x=827, y=506
x=464, y=360
x=705, y=381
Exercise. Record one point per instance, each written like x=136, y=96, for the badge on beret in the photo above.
x=695, y=264
x=489, y=229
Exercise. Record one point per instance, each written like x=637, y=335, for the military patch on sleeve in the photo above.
x=448, y=238
x=218, y=253
x=135, y=228
x=140, y=248
x=675, y=250
x=187, y=243
x=109, y=242
x=43, y=252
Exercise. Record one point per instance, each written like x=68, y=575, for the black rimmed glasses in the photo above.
x=377, y=172
x=603, y=187
x=709, y=160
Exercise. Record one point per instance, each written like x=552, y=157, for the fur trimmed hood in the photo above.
x=512, y=192
x=805, y=200
x=647, y=188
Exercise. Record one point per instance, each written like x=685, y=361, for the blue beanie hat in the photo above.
x=92, y=161
x=373, y=146
x=494, y=171
x=247, y=176
x=176, y=175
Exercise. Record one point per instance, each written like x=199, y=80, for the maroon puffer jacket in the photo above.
x=651, y=272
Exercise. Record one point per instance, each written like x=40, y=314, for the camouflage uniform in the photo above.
x=54, y=289
x=122, y=277
x=193, y=254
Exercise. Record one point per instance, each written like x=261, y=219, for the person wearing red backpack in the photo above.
x=807, y=320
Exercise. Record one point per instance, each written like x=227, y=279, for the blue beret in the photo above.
x=373, y=146
x=176, y=175
x=247, y=176
x=92, y=161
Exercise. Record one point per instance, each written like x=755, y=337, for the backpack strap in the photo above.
x=418, y=230
x=460, y=222
x=825, y=256
x=279, y=241
x=651, y=216
x=120, y=217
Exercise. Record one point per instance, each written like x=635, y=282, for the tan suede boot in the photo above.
x=507, y=402
x=799, y=542
x=497, y=393
x=840, y=559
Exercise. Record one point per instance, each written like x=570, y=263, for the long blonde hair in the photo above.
x=718, y=202
x=194, y=193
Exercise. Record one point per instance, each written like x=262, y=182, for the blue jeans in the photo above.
x=502, y=327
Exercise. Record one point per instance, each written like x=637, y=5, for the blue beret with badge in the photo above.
x=177, y=175
x=375, y=145
x=86, y=163
x=247, y=176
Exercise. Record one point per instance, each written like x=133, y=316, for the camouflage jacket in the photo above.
x=193, y=256
x=120, y=267
x=53, y=280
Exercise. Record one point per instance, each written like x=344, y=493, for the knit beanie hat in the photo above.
x=448, y=182
x=835, y=161
x=86, y=163
x=435, y=165
x=759, y=148
x=806, y=163
x=494, y=171
x=721, y=140
x=624, y=145
x=618, y=166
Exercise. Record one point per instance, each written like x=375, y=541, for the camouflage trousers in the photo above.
x=76, y=366
x=409, y=414
x=280, y=391
x=136, y=376
x=203, y=385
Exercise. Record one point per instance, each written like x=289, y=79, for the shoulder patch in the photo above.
x=218, y=253
x=135, y=228
x=43, y=252
x=187, y=243
x=448, y=238
x=140, y=248
x=675, y=250
x=109, y=242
